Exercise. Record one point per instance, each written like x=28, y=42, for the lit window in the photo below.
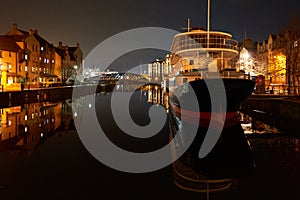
x=10, y=80
x=26, y=57
x=42, y=48
x=45, y=60
x=9, y=66
x=26, y=68
x=52, y=61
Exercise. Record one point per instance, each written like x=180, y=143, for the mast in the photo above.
x=208, y=21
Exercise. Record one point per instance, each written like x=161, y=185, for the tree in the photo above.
x=67, y=70
x=291, y=48
x=251, y=65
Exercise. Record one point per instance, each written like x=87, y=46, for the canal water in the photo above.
x=42, y=156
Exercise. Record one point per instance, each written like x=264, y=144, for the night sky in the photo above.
x=91, y=21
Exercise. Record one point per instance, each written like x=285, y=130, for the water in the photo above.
x=42, y=157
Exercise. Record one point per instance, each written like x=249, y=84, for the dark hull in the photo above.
x=236, y=91
x=231, y=156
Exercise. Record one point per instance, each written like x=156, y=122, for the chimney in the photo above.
x=35, y=31
x=15, y=26
x=60, y=44
x=67, y=49
x=30, y=32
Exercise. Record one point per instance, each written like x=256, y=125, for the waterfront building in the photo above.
x=9, y=75
x=159, y=71
x=277, y=60
x=35, y=62
x=272, y=52
x=70, y=61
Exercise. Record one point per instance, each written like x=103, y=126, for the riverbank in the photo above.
x=282, y=112
x=13, y=98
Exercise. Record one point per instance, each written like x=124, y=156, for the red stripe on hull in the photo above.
x=204, y=119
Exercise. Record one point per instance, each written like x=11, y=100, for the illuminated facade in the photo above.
x=159, y=70
x=8, y=64
x=32, y=60
x=272, y=52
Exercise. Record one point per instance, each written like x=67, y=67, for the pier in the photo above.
x=282, y=112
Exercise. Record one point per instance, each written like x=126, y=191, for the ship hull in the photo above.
x=231, y=156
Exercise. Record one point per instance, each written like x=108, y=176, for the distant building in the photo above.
x=159, y=70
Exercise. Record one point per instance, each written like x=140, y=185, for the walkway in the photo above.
x=282, y=112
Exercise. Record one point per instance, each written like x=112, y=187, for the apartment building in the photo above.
x=27, y=59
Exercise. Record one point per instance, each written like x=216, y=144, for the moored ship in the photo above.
x=204, y=70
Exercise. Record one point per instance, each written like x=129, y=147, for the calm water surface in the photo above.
x=42, y=157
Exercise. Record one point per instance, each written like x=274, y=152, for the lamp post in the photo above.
x=75, y=68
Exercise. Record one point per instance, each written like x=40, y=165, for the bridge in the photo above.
x=282, y=112
x=112, y=78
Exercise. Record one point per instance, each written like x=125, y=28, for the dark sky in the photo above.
x=91, y=21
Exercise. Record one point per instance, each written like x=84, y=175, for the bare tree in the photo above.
x=66, y=71
x=291, y=48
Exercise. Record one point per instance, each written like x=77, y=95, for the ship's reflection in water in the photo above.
x=220, y=170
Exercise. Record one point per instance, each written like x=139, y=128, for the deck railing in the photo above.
x=186, y=43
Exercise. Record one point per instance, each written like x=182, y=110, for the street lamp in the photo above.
x=75, y=68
